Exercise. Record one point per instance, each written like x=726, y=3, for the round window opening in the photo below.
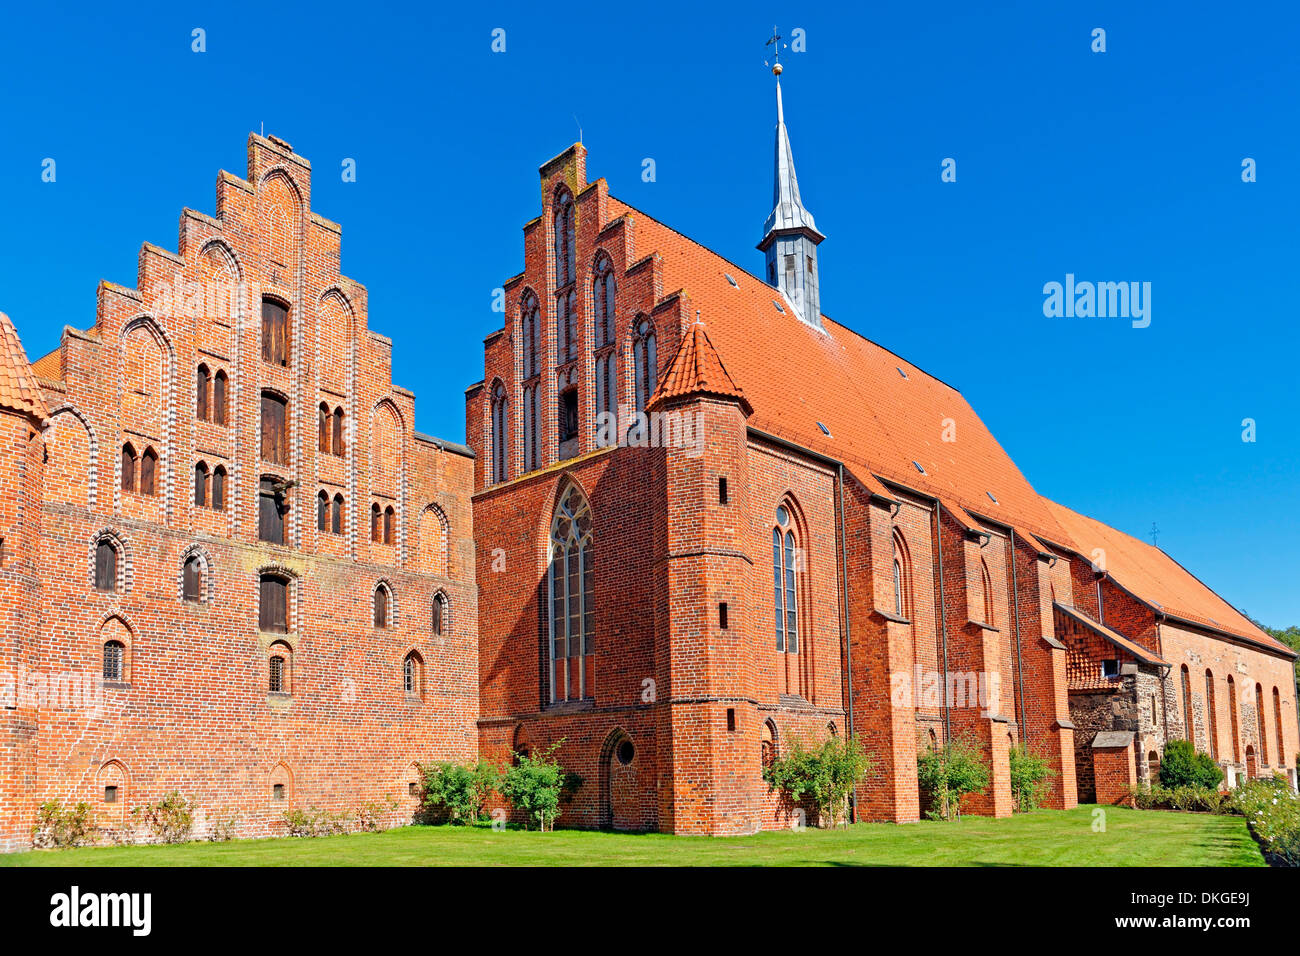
x=626, y=752
x=782, y=516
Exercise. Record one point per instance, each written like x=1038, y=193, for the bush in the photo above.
x=827, y=775
x=1273, y=812
x=56, y=827
x=950, y=773
x=170, y=820
x=454, y=793
x=315, y=823
x=1030, y=778
x=533, y=785
x=222, y=826
x=1201, y=799
x=1182, y=766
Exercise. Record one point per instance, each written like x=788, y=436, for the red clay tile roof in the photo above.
x=697, y=370
x=1154, y=577
x=18, y=389
x=1119, y=640
x=49, y=365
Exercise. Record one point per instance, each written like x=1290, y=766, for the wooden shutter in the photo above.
x=105, y=567
x=192, y=580
x=338, y=432
x=275, y=333
x=273, y=609
x=201, y=394
x=148, y=466
x=219, y=490
x=270, y=514
x=323, y=430
x=200, y=485
x=376, y=534
x=437, y=614
x=219, y=398
x=275, y=439
x=128, y=468
x=337, y=520
x=388, y=526
x=322, y=511
x=381, y=607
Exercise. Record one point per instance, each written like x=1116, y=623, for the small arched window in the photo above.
x=149, y=472
x=603, y=300
x=201, y=396
x=390, y=523
x=898, y=587
x=129, y=460
x=322, y=511
x=105, y=565
x=201, y=484
x=529, y=315
x=566, y=326
x=440, y=615
x=784, y=563
x=273, y=605
x=280, y=669
x=376, y=524
x=219, y=488
x=336, y=515
x=336, y=432
x=219, y=398
x=381, y=602
x=413, y=674
x=114, y=661
x=500, y=432
x=646, y=360
x=192, y=579
x=565, y=251
x=323, y=421
x=902, y=577
x=767, y=745
x=986, y=585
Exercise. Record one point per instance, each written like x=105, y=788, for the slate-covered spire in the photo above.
x=790, y=235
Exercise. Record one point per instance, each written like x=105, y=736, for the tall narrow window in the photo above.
x=529, y=316
x=381, y=606
x=572, y=610
x=1211, y=718
x=105, y=566
x=271, y=510
x=322, y=511
x=986, y=586
x=336, y=432
x=280, y=673
x=566, y=326
x=532, y=445
x=275, y=333
x=275, y=429
x=603, y=299
x=200, y=484
x=148, y=472
x=128, y=467
x=390, y=524
x=336, y=515
x=376, y=524
x=1261, y=722
x=568, y=415
x=898, y=587
x=201, y=394
x=647, y=363
x=607, y=383
x=219, y=398
x=192, y=579
x=219, y=488
x=273, y=606
x=500, y=432
x=412, y=674
x=783, y=583
x=1234, y=720
x=439, y=614
x=323, y=420
x=1277, y=716
x=114, y=661
x=565, y=251
x=1186, y=682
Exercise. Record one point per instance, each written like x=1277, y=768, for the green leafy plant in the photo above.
x=533, y=785
x=57, y=827
x=948, y=773
x=1182, y=766
x=826, y=775
x=315, y=823
x=222, y=826
x=170, y=820
x=455, y=793
x=1030, y=778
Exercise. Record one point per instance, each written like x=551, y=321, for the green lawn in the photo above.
x=1044, y=838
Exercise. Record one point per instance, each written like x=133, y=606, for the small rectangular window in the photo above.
x=1110, y=667
x=110, y=794
x=277, y=791
x=722, y=490
x=413, y=789
x=273, y=606
x=722, y=615
x=731, y=718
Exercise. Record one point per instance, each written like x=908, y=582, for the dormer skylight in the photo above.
x=919, y=467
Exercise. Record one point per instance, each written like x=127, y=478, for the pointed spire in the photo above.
x=790, y=235
x=697, y=370
x=19, y=391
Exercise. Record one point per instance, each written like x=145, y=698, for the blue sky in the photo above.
x=1117, y=166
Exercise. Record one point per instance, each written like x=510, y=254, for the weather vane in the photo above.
x=775, y=43
x=1155, y=533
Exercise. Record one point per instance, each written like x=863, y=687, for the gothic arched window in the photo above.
x=528, y=320
x=564, y=242
x=784, y=556
x=647, y=363
x=572, y=612
x=566, y=326
x=532, y=446
x=603, y=298
x=500, y=432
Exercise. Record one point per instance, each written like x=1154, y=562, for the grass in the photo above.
x=1043, y=838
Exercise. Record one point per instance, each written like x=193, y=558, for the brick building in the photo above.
x=704, y=520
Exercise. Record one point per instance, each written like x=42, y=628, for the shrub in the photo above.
x=315, y=823
x=1273, y=812
x=1182, y=766
x=223, y=825
x=170, y=820
x=454, y=793
x=533, y=784
x=57, y=827
x=827, y=775
x=370, y=816
x=949, y=773
x=1030, y=778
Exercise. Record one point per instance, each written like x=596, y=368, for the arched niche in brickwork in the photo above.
x=279, y=212
x=145, y=375
x=619, y=770
x=279, y=787
x=114, y=630
x=334, y=335
x=431, y=558
x=112, y=793
x=215, y=302
x=71, y=459
x=386, y=450
x=767, y=752
x=519, y=743
x=410, y=784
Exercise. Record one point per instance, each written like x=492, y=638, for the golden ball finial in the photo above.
x=776, y=69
